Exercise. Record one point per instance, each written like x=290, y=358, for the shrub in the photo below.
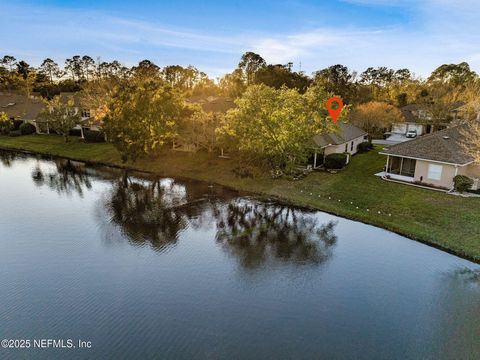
x=364, y=147
x=462, y=183
x=27, y=129
x=14, y=133
x=75, y=132
x=243, y=172
x=335, y=161
x=93, y=136
x=16, y=124
x=6, y=124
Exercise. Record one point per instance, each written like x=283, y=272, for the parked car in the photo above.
x=411, y=134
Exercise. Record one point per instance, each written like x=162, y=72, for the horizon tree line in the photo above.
x=144, y=108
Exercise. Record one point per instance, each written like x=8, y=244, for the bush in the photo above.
x=243, y=172
x=75, y=132
x=27, y=129
x=335, y=161
x=364, y=147
x=15, y=133
x=6, y=124
x=462, y=183
x=93, y=136
x=16, y=124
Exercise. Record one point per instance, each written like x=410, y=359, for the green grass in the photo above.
x=449, y=222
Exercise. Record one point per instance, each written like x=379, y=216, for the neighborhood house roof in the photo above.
x=213, y=103
x=410, y=111
x=443, y=146
x=346, y=132
x=20, y=106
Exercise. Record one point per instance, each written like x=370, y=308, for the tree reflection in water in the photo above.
x=67, y=178
x=259, y=233
x=156, y=211
x=145, y=212
x=467, y=275
x=7, y=157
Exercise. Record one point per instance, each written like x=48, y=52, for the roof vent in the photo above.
x=445, y=137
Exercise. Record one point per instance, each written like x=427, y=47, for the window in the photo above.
x=85, y=113
x=402, y=166
x=346, y=147
x=408, y=167
x=351, y=146
x=434, y=171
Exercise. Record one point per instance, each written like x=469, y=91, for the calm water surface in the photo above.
x=163, y=268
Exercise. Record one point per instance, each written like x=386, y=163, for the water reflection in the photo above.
x=156, y=211
x=467, y=275
x=7, y=157
x=67, y=178
x=259, y=233
x=148, y=210
x=145, y=212
x=153, y=211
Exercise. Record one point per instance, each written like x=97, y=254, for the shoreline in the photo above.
x=289, y=199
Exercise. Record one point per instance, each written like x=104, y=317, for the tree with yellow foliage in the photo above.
x=375, y=116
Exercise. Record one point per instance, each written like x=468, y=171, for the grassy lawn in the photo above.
x=446, y=221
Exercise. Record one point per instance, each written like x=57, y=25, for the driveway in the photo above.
x=392, y=140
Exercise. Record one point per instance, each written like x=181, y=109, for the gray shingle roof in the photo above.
x=20, y=106
x=346, y=132
x=444, y=146
x=408, y=111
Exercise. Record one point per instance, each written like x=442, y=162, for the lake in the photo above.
x=160, y=268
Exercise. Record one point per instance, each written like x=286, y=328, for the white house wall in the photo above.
x=340, y=149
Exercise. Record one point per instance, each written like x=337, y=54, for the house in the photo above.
x=431, y=160
x=344, y=140
x=21, y=107
x=419, y=119
x=27, y=109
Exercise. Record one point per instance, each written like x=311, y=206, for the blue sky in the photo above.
x=212, y=35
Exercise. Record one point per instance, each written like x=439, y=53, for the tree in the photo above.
x=336, y=79
x=249, y=64
x=27, y=83
x=143, y=117
x=74, y=66
x=88, y=65
x=200, y=129
x=146, y=70
x=205, y=86
x=375, y=116
x=378, y=81
x=232, y=85
x=274, y=126
x=453, y=74
x=23, y=69
x=281, y=75
x=9, y=61
x=180, y=77
x=471, y=132
x=6, y=124
x=440, y=102
x=62, y=116
x=50, y=68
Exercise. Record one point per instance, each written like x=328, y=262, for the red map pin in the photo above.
x=334, y=113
